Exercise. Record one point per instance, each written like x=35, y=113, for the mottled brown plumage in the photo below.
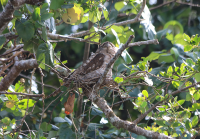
x=89, y=72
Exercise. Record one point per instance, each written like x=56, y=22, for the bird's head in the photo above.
x=108, y=47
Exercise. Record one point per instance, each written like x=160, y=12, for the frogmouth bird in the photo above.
x=90, y=71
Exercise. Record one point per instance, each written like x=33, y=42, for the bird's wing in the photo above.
x=94, y=64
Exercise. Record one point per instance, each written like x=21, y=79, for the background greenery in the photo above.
x=177, y=26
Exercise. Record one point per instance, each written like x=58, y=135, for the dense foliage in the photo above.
x=158, y=83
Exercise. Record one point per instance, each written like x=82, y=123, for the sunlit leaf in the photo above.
x=195, y=120
x=174, y=26
x=145, y=93
x=118, y=79
x=36, y=14
x=119, y=5
x=186, y=37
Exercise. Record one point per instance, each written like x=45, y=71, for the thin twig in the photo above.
x=24, y=94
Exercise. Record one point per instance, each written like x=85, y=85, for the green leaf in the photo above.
x=174, y=52
x=121, y=107
x=153, y=56
x=168, y=58
x=196, y=40
x=109, y=37
x=197, y=77
x=144, y=104
x=95, y=15
x=187, y=48
x=196, y=106
x=96, y=111
x=95, y=38
x=170, y=71
x=176, y=84
x=65, y=132
x=106, y=13
x=45, y=55
x=118, y=80
x=196, y=95
x=44, y=33
x=3, y=2
x=31, y=45
x=188, y=97
x=22, y=104
x=99, y=13
x=116, y=28
x=39, y=133
x=161, y=33
x=190, y=62
x=17, y=14
x=145, y=93
x=45, y=126
x=195, y=120
x=181, y=102
x=127, y=58
x=46, y=16
x=186, y=37
x=116, y=36
x=36, y=14
x=55, y=4
x=174, y=26
x=160, y=122
x=6, y=120
x=176, y=124
x=126, y=7
x=119, y=5
x=2, y=40
x=188, y=125
x=25, y=30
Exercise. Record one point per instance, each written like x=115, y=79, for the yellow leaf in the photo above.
x=10, y=104
x=72, y=15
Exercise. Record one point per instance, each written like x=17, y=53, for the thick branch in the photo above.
x=117, y=122
x=7, y=15
x=15, y=70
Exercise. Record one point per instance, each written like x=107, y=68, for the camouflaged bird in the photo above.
x=89, y=72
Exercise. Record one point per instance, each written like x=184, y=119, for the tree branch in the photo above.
x=67, y=37
x=154, y=106
x=136, y=19
x=24, y=94
x=7, y=14
x=15, y=70
x=117, y=122
x=165, y=3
